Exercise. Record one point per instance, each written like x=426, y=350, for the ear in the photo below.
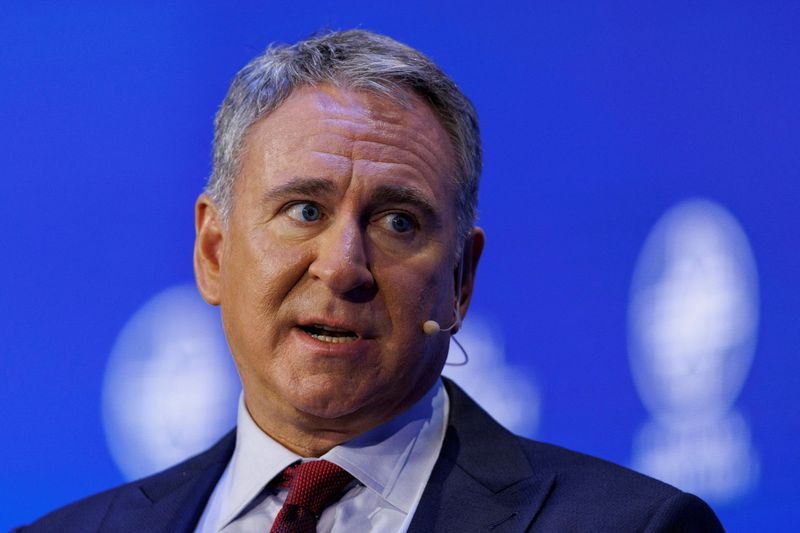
x=207, y=248
x=473, y=247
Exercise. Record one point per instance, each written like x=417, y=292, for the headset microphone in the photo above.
x=431, y=327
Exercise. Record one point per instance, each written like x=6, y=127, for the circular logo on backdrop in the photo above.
x=170, y=388
x=692, y=326
x=693, y=313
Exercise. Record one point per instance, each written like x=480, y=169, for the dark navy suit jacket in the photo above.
x=486, y=479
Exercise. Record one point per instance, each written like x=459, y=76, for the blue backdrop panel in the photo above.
x=638, y=297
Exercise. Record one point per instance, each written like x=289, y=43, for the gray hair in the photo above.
x=355, y=59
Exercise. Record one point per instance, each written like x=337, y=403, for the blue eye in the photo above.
x=305, y=211
x=310, y=212
x=401, y=223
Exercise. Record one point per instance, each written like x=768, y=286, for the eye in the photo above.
x=304, y=212
x=400, y=222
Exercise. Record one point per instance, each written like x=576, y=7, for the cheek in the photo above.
x=412, y=357
x=256, y=279
x=267, y=269
x=416, y=292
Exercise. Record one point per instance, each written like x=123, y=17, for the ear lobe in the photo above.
x=207, y=248
x=473, y=247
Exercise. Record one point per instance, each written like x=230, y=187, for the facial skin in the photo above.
x=343, y=216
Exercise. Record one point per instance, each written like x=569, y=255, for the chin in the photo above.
x=330, y=397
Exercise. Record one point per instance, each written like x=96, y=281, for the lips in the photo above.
x=330, y=334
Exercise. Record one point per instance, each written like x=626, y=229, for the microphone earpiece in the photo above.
x=431, y=327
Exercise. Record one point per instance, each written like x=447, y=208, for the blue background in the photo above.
x=596, y=118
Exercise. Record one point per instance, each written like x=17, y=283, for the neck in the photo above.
x=312, y=436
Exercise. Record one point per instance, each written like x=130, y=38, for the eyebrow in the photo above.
x=399, y=194
x=300, y=186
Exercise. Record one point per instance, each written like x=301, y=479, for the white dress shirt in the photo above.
x=391, y=465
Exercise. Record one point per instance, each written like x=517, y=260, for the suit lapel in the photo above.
x=172, y=501
x=482, y=480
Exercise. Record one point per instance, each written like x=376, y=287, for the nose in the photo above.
x=341, y=261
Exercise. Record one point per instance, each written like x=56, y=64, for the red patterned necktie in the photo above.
x=312, y=486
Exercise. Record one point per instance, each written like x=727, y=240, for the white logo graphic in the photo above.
x=170, y=387
x=692, y=330
x=509, y=394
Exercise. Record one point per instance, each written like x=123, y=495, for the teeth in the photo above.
x=334, y=340
x=327, y=328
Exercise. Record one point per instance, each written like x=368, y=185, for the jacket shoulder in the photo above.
x=563, y=490
x=592, y=494
x=86, y=514
x=580, y=470
x=90, y=513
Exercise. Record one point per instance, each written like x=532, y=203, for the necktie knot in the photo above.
x=312, y=487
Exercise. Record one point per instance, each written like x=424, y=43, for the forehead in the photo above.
x=325, y=130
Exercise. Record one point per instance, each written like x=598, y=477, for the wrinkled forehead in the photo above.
x=359, y=125
x=379, y=110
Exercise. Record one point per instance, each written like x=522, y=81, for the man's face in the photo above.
x=341, y=242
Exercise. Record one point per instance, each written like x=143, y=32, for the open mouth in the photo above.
x=329, y=334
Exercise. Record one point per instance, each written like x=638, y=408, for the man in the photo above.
x=337, y=235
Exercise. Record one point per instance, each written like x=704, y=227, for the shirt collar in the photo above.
x=256, y=460
x=393, y=459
